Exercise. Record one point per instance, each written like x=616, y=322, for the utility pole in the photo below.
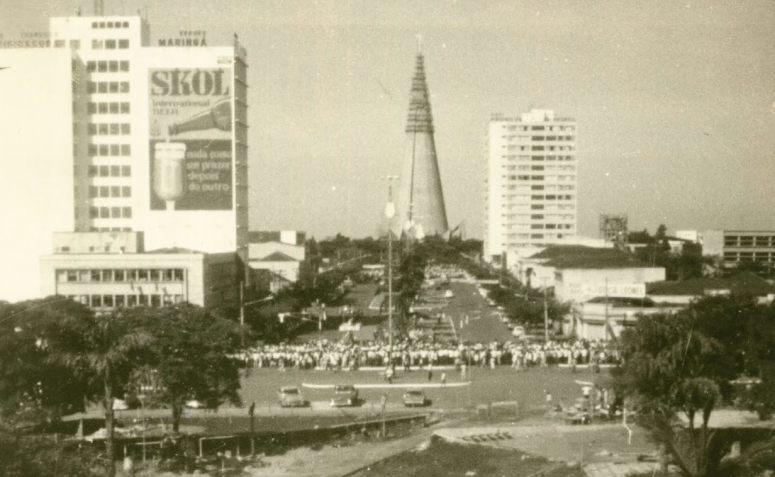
x=546, y=315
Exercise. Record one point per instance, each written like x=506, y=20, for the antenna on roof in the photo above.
x=419, y=44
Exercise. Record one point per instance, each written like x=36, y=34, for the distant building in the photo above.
x=531, y=183
x=735, y=246
x=684, y=292
x=109, y=270
x=106, y=133
x=278, y=258
x=606, y=318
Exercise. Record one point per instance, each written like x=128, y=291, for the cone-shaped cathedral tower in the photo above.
x=420, y=201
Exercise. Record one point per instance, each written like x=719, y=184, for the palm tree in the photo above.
x=102, y=350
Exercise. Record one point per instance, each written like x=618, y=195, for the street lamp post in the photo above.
x=390, y=212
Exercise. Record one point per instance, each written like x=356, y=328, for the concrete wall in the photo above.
x=37, y=162
x=569, y=282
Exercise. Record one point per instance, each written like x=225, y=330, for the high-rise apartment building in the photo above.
x=107, y=133
x=531, y=183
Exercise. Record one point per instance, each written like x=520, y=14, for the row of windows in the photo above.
x=110, y=191
x=109, y=129
x=97, y=150
x=122, y=275
x=103, y=66
x=114, y=107
x=93, y=87
x=749, y=241
x=749, y=256
x=551, y=226
x=110, y=171
x=541, y=128
x=109, y=44
x=551, y=197
x=110, y=212
x=539, y=138
x=120, y=301
x=110, y=229
x=110, y=24
x=528, y=157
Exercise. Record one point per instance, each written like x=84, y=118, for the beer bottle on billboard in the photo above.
x=217, y=117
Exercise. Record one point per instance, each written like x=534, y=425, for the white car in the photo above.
x=518, y=331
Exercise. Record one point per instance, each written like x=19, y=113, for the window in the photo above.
x=102, y=129
x=126, y=212
x=125, y=150
x=114, y=129
x=131, y=300
x=156, y=301
x=102, y=108
x=115, y=191
x=103, y=149
x=124, y=128
x=104, y=171
x=119, y=301
x=94, y=191
x=123, y=44
x=94, y=212
x=114, y=171
x=126, y=171
x=124, y=66
x=75, y=44
x=96, y=44
x=123, y=87
x=536, y=187
x=102, y=66
x=110, y=44
x=126, y=191
x=124, y=108
x=91, y=87
x=96, y=301
x=104, y=191
x=91, y=129
x=114, y=150
x=91, y=108
x=113, y=108
x=91, y=66
x=113, y=86
x=537, y=217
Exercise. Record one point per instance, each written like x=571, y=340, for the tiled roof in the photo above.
x=278, y=257
x=578, y=256
x=744, y=282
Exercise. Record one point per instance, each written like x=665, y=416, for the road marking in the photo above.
x=387, y=385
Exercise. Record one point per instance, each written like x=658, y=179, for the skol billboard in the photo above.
x=191, y=139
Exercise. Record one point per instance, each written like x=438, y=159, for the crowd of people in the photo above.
x=412, y=355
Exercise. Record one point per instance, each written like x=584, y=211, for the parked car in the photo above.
x=415, y=397
x=290, y=396
x=344, y=395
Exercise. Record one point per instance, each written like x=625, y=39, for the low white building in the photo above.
x=108, y=270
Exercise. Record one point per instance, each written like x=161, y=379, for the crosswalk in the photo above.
x=490, y=437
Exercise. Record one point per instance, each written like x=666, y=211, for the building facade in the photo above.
x=531, y=183
x=112, y=134
x=108, y=270
x=735, y=246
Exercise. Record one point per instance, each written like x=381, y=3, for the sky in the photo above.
x=675, y=101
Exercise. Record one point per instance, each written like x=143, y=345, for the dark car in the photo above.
x=344, y=395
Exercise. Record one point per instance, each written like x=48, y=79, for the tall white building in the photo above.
x=531, y=183
x=104, y=132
